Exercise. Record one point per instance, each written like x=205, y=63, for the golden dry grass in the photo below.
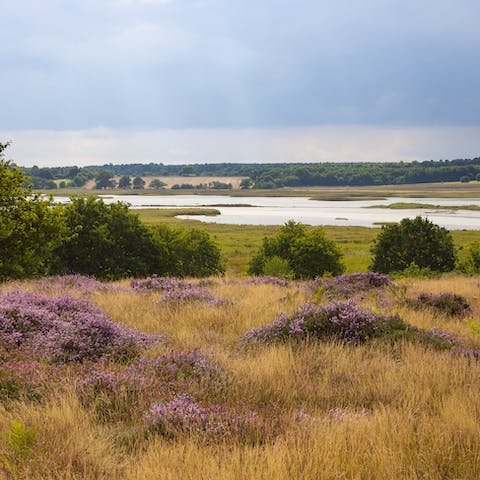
x=409, y=412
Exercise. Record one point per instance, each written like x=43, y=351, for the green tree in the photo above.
x=308, y=254
x=108, y=241
x=124, y=182
x=138, y=183
x=313, y=254
x=246, y=183
x=417, y=241
x=30, y=227
x=104, y=179
x=196, y=255
x=157, y=184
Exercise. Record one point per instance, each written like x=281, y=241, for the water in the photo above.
x=278, y=210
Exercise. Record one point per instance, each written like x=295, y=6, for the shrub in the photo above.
x=110, y=242
x=24, y=378
x=450, y=304
x=419, y=241
x=120, y=392
x=340, y=321
x=277, y=267
x=182, y=415
x=195, y=294
x=308, y=253
x=65, y=329
x=107, y=241
x=346, y=286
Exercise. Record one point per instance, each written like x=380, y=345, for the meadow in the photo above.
x=239, y=243
x=359, y=378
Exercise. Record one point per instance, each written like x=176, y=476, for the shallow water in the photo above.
x=278, y=210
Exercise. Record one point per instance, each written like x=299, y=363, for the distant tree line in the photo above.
x=263, y=176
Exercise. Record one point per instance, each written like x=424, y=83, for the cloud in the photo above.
x=150, y=64
x=330, y=143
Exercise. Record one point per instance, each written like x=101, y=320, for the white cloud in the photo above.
x=310, y=144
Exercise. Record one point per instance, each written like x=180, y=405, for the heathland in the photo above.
x=388, y=390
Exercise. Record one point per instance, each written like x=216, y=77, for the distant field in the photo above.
x=420, y=190
x=235, y=181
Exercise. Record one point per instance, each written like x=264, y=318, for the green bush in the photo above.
x=308, y=253
x=109, y=241
x=416, y=241
x=277, y=267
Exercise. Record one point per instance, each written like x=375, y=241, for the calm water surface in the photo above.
x=278, y=210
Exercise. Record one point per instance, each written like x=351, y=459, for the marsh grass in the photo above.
x=380, y=410
x=239, y=243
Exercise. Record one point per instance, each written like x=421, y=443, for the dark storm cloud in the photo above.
x=75, y=64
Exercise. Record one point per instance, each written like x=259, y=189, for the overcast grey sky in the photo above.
x=173, y=81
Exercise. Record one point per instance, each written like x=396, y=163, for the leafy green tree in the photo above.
x=417, y=241
x=104, y=179
x=138, y=183
x=246, y=183
x=124, y=182
x=308, y=254
x=157, y=184
x=108, y=241
x=196, y=255
x=313, y=254
x=30, y=227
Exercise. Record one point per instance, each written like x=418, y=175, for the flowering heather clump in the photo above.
x=266, y=280
x=118, y=391
x=65, y=329
x=160, y=284
x=449, y=304
x=346, y=286
x=192, y=294
x=447, y=337
x=184, y=365
x=468, y=352
x=122, y=390
x=343, y=321
x=182, y=415
x=22, y=378
x=177, y=291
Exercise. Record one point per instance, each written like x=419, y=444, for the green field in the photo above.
x=239, y=242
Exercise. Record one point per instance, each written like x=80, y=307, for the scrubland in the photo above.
x=194, y=398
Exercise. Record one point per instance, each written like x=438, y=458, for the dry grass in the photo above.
x=410, y=412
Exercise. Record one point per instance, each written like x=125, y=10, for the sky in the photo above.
x=192, y=81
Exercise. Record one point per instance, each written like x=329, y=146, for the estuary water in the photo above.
x=278, y=210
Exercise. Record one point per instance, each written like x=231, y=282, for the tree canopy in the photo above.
x=30, y=228
x=413, y=241
x=308, y=253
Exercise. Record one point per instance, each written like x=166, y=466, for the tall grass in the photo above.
x=382, y=410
